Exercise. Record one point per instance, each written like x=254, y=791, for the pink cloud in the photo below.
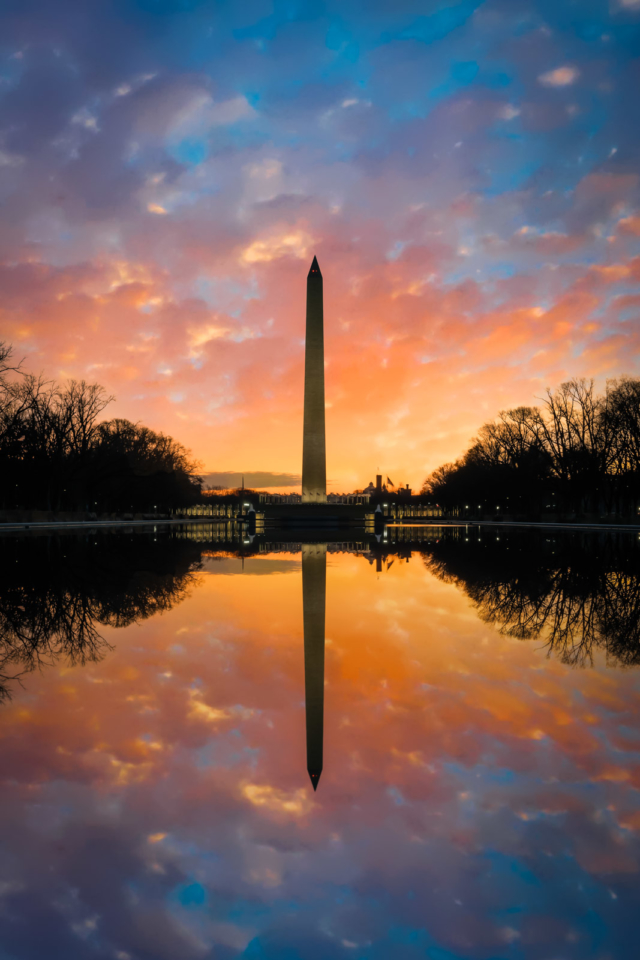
x=559, y=77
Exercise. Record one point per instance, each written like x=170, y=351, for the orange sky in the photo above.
x=412, y=367
x=467, y=178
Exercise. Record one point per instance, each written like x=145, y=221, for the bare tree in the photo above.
x=578, y=449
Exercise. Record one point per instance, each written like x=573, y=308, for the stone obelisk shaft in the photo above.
x=314, y=589
x=314, y=457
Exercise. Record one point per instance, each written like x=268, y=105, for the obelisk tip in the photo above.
x=315, y=269
x=315, y=779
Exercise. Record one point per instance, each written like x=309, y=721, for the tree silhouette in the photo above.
x=57, y=454
x=578, y=594
x=578, y=452
x=56, y=593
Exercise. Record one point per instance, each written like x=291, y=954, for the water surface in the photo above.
x=468, y=712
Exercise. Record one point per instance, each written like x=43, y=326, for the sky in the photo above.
x=466, y=173
x=478, y=798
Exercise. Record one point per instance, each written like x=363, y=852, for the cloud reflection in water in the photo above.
x=478, y=797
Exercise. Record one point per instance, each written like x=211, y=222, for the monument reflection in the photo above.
x=314, y=589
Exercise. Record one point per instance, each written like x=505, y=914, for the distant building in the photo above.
x=376, y=490
x=280, y=498
x=380, y=489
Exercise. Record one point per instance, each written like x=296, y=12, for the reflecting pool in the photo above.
x=424, y=744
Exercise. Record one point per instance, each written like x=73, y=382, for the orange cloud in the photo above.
x=630, y=225
x=223, y=371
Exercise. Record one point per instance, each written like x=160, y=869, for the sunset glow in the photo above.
x=466, y=173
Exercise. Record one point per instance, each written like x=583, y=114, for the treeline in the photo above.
x=57, y=454
x=578, y=453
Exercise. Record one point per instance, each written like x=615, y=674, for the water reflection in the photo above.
x=479, y=798
x=314, y=588
x=58, y=610
x=579, y=593
x=57, y=593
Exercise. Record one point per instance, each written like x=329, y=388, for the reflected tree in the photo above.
x=57, y=593
x=578, y=594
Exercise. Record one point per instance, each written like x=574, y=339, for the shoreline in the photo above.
x=49, y=525
x=20, y=525
x=535, y=524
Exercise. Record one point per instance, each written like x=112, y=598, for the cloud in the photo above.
x=198, y=337
x=252, y=479
x=201, y=113
x=199, y=710
x=560, y=77
x=630, y=225
x=296, y=803
x=509, y=112
x=296, y=243
x=412, y=190
x=550, y=243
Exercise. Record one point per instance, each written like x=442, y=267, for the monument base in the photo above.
x=334, y=515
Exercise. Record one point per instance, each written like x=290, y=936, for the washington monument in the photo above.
x=314, y=457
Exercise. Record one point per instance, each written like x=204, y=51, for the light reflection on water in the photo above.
x=477, y=733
